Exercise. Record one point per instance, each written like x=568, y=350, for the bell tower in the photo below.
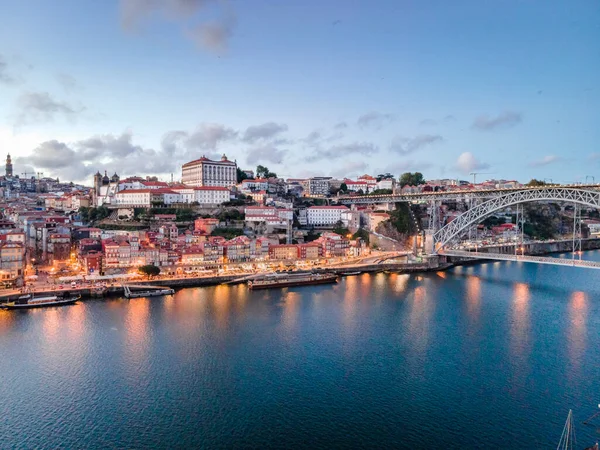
x=9, y=167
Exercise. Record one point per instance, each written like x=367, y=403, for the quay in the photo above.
x=388, y=264
x=117, y=290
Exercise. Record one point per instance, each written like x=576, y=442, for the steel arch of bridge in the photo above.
x=450, y=231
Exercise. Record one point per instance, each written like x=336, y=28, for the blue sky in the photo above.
x=307, y=88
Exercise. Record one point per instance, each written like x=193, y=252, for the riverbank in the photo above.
x=429, y=265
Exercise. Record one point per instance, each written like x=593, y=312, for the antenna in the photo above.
x=479, y=173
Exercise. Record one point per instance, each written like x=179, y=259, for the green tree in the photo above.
x=385, y=176
x=400, y=218
x=84, y=213
x=264, y=172
x=241, y=175
x=344, y=188
x=381, y=192
x=227, y=233
x=230, y=214
x=363, y=234
x=184, y=215
x=534, y=182
x=411, y=179
x=339, y=228
x=150, y=270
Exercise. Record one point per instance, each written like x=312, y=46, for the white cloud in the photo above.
x=467, y=163
x=506, y=119
x=548, y=159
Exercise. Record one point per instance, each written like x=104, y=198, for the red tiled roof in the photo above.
x=210, y=188
x=154, y=183
x=136, y=191
x=329, y=207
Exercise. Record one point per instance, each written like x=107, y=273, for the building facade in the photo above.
x=319, y=216
x=206, y=172
x=317, y=186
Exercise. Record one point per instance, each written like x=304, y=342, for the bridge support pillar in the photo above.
x=429, y=243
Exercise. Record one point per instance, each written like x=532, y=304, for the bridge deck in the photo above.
x=525, y=258
x=449, y=195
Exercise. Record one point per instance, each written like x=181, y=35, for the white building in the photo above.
x=145, y=198
x=324, y=215
x=386, y=183
x=141, y=198
x=264, y=213
x=258, y=184
x=351, y=219
x=205, y=172
x=355, y=186
x=211, y=195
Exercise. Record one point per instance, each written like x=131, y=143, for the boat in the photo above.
x=567, y=438
x=289, y=280
x=30, y=301
x=147, y=292
x=349, y=274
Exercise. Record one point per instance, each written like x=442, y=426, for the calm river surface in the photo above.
x=492, y=356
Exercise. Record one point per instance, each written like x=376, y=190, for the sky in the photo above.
x=509, y=89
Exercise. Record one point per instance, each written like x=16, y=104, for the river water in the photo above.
x=490, y=355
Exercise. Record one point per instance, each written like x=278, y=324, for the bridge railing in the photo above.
x=524, y=258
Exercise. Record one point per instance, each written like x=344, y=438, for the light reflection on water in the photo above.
x=373, y=361
x=576, y=330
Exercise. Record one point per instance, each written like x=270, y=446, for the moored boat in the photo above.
x=290, y=280
x=29, y=301
x=146, y=292
x=349, y=274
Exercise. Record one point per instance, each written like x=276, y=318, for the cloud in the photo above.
x=209, y=135
x=39, y=107
x=427, y=122
x=594, y=156
x=212, y=35
x=68, y=83
x=264, y=132
x=134, y=11
x=405, y=146
x=56, y=158
x=548, y=159
x=504, y=120
x=340, y=126
x=206, y=137
x=374, y=120
x=342, y=151
x=78, y=160
x=265, y=154
x=350, y=169
x=215, y=35
x=5, y=76
x=467, y=163
x=449, y=118
x=313, y=137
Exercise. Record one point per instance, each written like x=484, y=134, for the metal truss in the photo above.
x=447, y=195
x=474, y=215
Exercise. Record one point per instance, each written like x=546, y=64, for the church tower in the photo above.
x=9, y=169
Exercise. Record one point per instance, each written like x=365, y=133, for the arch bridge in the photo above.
x=577, y=195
